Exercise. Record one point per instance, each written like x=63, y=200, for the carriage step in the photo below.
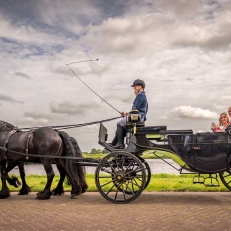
x=198, y=179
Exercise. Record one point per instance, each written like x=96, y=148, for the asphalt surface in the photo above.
x=90, y=211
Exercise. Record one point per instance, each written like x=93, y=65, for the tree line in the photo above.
x=97, y=151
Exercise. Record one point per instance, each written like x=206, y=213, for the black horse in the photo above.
x=42, y=141
x=59, y=190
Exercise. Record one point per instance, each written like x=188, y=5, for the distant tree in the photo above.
x=94, y=151
x=99, y=151
x=105, y=151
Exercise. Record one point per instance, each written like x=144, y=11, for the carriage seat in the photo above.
x=138, y=124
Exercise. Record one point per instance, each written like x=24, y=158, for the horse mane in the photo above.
x=4, y=125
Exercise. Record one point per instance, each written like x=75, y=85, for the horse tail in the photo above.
x=81, y=169
x=69, y=150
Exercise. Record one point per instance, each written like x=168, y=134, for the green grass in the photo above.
x=159, y=183
x=146, y=155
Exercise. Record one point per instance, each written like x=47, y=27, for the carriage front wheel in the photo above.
x=226, y=178
x=118, y=173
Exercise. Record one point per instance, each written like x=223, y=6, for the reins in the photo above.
x=63, y=127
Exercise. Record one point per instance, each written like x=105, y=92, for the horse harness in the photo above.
x=12, y=132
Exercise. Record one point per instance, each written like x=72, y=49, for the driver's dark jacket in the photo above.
x=141, y=104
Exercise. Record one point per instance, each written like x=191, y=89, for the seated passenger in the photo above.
x=141, y=104
x=223, y=123
x=229, y=112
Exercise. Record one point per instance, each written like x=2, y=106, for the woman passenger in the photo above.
x=223, y=123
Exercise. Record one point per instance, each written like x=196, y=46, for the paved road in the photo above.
x=151, y=211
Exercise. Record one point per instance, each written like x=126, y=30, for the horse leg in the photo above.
x=75, y=181
x=12, y=180
x=72, y=174
x=81, y=173
x=59, y=188
x=46, y=193
x=25, y=188
x=5, y=192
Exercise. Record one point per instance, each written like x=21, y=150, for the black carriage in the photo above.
x=122, y=175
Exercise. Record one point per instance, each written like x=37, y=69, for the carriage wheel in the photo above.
x=147, y=172
x=226, y=178
x=119, y=173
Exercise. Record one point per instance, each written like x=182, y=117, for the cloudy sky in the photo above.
x=180, y=48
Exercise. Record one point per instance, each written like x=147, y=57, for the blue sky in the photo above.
x=180, y=48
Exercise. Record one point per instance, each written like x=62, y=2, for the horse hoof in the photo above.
x=84, y=189
x=42, y=196
x=57, y=192
x=22, y=193
x=73, y=196
x=4, y=196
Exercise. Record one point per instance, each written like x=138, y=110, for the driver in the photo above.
x=141, y=104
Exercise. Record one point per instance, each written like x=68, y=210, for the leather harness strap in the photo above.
x=27, y=144
x=12, y=132
x=4, y=149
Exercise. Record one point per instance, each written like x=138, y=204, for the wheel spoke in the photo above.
x=107, y=183
x=123, y=192
x=136, y=183
x=122, y=163
x=107, y=171
x=110, y=165
x=132, y=185
x=110, y=189
x=117, y=162
x=117, y=190
x=127, y=167
x=133, y=170
x=139, y=179
x=127, y=187
x=132, y=177
x=105, y=177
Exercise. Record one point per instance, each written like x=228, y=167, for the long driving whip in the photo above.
x=87, y=85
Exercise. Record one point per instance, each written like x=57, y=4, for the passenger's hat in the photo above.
x=138, y=82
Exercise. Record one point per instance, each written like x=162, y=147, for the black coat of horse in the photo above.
x=42, y=141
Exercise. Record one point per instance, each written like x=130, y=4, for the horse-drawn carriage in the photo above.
x=122, y=175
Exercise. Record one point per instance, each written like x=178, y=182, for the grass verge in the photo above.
x=159, y=183
x=146, y=155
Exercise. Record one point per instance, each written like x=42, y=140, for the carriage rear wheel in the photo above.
x=119, y=173
x=226, y=178
x=147, y=171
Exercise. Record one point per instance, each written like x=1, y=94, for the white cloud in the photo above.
x=226, y=97
x=70, y=108
x=39, y=115
x=194, y=113
x=29, y=121
x=97, y=69
x=219, y=107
